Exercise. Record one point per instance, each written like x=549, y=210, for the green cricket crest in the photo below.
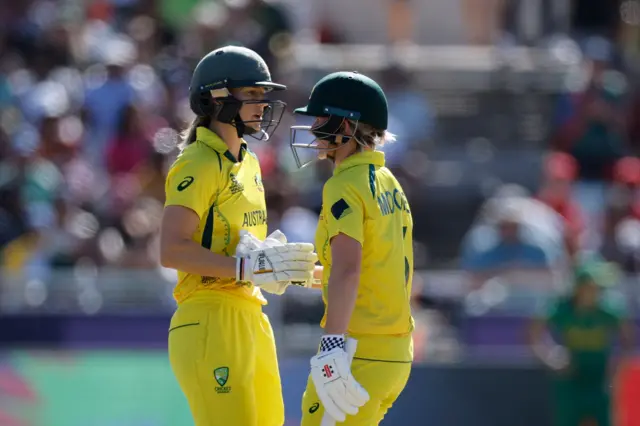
x=222, y=375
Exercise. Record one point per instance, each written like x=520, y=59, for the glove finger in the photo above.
x=328, y=404
x=295, y=256
x=279, y=236
x=294, y=266
x=304, y=247
x=248, y=237
x=255, y=240
x=356, y=394
x=245, y=246
x=249, y=240
x=338, y=394
x=298, y=277
x=270, y=242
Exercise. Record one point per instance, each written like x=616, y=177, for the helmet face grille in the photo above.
x=304, y=141
x=261, y=129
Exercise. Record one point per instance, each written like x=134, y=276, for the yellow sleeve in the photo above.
x=344, y=210
x=192, y=184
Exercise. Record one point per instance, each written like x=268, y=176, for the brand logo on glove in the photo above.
x=314, y=408
x=262, y=264
x=327, y=371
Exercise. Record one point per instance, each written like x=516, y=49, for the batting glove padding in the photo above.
x=273, y=264
x=337, y=389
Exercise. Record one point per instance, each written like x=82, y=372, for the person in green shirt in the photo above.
x=584, y=328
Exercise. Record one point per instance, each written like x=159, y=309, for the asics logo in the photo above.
x=185, y=183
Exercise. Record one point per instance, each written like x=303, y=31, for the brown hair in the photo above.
x=188, y=136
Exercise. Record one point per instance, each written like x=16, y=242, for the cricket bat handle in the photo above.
x=350, y=348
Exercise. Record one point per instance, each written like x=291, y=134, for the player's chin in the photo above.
x=255, y=127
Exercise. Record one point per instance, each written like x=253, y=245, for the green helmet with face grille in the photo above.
x=340, y=96
x=232, y=67
x=349, y=95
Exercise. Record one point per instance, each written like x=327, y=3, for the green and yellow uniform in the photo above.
x=364, y=201
x=221, y=345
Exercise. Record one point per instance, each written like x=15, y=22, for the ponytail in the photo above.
x=188, y=136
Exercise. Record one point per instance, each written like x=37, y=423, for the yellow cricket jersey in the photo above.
x=227, y=194
x=365, y=201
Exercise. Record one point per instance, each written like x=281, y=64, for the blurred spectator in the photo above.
x=591, y=125
x=483, y=20
x=129, y=149
x=400, y=21
x=621, y=241
x=509, y=251
x=555, y=191
x=410, y=116
x=105, y=101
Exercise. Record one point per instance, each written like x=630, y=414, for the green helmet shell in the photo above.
x=227, y=67
x=350, y=95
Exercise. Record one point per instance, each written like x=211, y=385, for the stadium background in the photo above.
x=484, y=94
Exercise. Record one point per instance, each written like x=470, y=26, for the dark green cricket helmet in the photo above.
x=232, y=67
x=350, y=95
x=344, y=95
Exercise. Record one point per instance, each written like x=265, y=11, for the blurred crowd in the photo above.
x=93, y=98
x=92, y=101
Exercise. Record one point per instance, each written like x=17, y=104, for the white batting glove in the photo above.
x=337, y=389
x=271, y=264
x=278, y=238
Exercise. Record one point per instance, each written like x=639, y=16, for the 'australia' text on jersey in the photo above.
x=254, y=218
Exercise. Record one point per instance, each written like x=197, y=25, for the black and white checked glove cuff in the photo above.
x=331, y=341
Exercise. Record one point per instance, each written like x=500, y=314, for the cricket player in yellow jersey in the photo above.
x=364, y=242
x=221, y=345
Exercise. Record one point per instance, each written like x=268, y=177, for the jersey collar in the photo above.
x=213, y=141
x=366, y=157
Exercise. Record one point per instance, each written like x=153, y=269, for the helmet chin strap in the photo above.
x=229, y=112
x=241, y=128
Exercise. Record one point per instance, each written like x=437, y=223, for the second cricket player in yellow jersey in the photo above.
x=364, y=242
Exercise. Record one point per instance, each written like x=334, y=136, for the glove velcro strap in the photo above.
x=331, y=341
